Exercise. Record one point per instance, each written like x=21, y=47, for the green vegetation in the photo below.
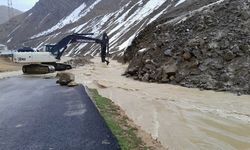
x=118, y=123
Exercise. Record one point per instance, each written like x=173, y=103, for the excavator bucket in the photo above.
x=105, y=48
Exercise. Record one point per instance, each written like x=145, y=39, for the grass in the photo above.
x=125, y=133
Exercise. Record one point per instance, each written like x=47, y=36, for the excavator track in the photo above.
x=38, y=69
x=59, y=66
x=45, y=68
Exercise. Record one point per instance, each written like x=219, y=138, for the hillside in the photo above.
x=4, y=14
x=208, y=48
x=48, y=22
x=41, y=17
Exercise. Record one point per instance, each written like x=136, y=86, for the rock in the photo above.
x=235, y=49
x=224, y=44
x=150, y=67
x=132, y=71
x=213, y=45
x=72, y=84
x=136, y=78
x=145, y=77
x=165, y=79
x=193, y=42
x=179, y=77
x=157, y=75
x=168, y=52
x=65, y=78
x=187, y=56
x=245, y=48
x=196, y=53
x=228, y=56
x=172, y=78
x=169, y=69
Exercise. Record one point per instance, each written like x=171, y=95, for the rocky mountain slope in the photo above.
x=194, y=43
x=49, y=21
x=4, y=13
x=208, y=48
x=42, y=16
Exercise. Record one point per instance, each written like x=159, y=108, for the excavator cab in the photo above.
x=48, y=48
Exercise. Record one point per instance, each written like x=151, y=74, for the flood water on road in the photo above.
x=180, y=118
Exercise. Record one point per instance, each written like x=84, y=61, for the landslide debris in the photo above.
x=208, y=48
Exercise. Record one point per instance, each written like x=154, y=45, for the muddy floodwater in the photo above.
x=180, y=118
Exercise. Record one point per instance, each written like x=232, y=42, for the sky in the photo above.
x=22, y=5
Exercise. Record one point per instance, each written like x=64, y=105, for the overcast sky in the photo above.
x=22, y=5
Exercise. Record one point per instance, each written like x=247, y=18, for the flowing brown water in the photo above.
x=179, y=117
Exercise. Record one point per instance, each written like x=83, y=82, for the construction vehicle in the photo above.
x=47, y=61
x=3, y=47
x=4, y=51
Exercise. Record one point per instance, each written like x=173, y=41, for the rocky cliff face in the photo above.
x=4, y=17
x=208, y=48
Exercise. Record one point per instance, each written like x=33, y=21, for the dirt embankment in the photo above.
x=208, y=48
x=6, y=65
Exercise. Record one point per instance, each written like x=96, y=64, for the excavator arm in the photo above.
x=58, y=49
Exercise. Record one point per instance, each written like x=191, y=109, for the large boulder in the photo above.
x=66, y=79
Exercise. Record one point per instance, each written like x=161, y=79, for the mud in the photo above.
x=10, y=74
x=7, y=65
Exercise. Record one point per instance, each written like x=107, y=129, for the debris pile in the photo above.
x=208, y=48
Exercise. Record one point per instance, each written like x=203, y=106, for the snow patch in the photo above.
x=73, y=17
x=127, y=43
x=44, y=19
x=179, y=2
x=158, y=15
x=14, y=30
x=134, y=19
x=28, y=16
x=143, y=50
x=10, y=40
x=190, y=14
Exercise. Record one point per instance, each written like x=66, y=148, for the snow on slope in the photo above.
x=122, y=25
x=184, y=17
x=133, y=20
x=73, y=17
x=179, y=2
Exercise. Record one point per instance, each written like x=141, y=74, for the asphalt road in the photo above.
x=37, y=114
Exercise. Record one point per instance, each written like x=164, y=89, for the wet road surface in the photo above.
x=37, y=114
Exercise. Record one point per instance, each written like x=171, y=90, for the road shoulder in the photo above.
x=129, y=135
